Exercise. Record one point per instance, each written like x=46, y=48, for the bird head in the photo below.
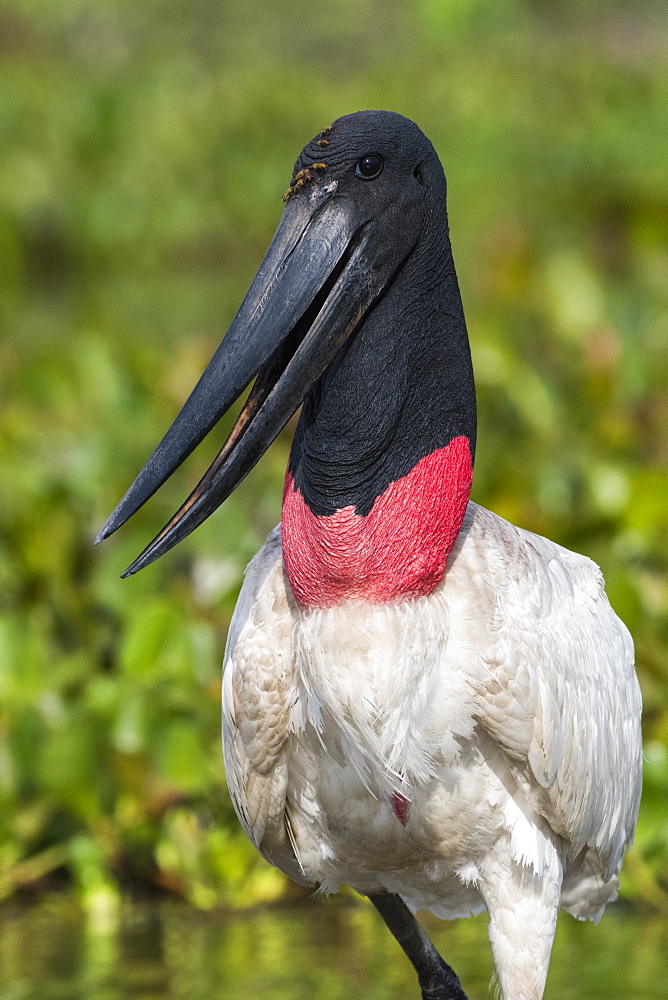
x=365, y=193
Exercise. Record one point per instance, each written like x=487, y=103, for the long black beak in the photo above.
x=314, y=286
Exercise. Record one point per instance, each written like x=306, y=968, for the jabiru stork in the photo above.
x=419, y=699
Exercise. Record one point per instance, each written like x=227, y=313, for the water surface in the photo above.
x=318, y=950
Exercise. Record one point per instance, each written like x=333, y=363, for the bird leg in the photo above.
x=437, y=980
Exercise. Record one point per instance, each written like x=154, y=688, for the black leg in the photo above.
x=437, y=980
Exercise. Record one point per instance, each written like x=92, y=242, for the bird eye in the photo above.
x=369, y=167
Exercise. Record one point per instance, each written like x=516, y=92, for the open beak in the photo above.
x=317, y=281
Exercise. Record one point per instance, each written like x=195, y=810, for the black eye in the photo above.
x=417, y=174
x=369, y=166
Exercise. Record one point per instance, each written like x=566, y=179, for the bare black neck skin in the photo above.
x=401, y=389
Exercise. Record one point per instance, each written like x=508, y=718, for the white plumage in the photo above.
x=503, y=708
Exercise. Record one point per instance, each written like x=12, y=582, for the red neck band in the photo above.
x=397, y=551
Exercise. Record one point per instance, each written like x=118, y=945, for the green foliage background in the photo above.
x=144, y=150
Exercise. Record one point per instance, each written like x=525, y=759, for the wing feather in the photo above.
x=559, y=693
x=258, y=687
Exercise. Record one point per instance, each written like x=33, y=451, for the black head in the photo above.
x=382, y=164
x=372, y=146
x=365, y=193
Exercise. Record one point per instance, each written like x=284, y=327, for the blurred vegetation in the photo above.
x=145, y=148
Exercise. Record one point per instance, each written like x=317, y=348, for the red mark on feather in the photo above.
x=400, y=807
x=397, y=551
